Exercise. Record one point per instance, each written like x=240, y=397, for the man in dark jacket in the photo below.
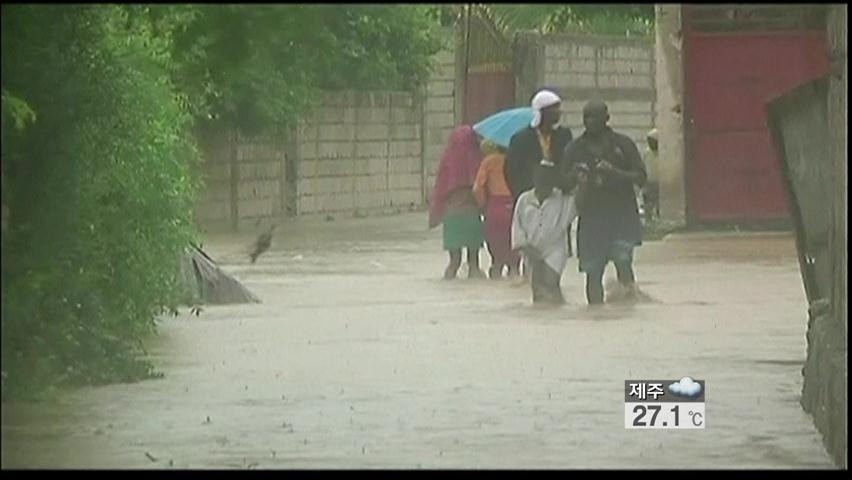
x=544, y=139
x=606, y=165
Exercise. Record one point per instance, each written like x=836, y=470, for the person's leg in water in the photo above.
x=623, y=260
x=594, y=284
x=455, y=263
x=514, y=267
x=551, y=285
x=626, y=277
x=570, y=247
x=534, y=269
x=545, y=284
x=495, y=271
x=473, y=263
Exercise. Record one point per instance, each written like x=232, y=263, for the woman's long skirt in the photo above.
x=498, y=230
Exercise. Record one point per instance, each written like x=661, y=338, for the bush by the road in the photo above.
x=97, y=155
x=99, y=187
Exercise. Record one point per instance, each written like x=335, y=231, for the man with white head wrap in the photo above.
x=544, y=139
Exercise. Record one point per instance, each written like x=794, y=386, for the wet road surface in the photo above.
x=361, y=357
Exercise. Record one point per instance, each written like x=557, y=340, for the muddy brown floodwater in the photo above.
x=361, y=357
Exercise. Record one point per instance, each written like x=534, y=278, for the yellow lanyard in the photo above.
x=544, y=142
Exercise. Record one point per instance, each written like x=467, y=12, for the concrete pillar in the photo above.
x=835, y=433
x=669, y=116
x=837, y=125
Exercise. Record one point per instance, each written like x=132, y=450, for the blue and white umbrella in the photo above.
x=500, y=127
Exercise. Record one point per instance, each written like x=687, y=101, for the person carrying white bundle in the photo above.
x=540, y=231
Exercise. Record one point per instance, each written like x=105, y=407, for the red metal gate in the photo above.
x=732, y=173
x=489, y=84
x=488, y=90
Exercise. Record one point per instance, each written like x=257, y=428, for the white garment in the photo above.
x=542, y=100
x=544, y=226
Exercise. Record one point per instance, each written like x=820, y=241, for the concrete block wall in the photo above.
x=213, y=205
x=439, y=117
x=243, y=182
x=361, y=151
x=358, y=151
x=620, y=71
x=260, y=185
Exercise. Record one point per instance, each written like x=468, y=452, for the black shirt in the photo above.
x=525, y=154
x=609, y=212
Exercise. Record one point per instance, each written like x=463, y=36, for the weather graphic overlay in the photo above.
x=665, y=404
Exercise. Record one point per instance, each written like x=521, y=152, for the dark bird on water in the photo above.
x=264, y=241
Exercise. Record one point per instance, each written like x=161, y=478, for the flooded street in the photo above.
x=360, y=356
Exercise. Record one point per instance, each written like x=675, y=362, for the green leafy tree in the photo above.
x=100, y=192
x=260, y=69
x=100, y=103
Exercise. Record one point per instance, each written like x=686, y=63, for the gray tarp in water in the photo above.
x=205, y=283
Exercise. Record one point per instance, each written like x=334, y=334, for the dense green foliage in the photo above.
x=261, y=68
x=99, y=188
x=100, y=103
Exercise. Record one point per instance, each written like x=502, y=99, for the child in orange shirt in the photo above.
x=493, y=195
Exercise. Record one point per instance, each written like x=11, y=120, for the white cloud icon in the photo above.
x=686, y=386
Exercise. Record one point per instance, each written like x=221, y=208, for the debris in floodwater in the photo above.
x=171, y=463
x=150, y=457
x=207, y=420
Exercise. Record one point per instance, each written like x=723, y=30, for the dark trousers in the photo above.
x=545, y=283
x=594, y=280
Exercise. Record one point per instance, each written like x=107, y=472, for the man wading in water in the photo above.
x=606, y=165
x=544, y=139
x=540, y=231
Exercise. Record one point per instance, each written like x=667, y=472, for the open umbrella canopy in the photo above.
x=500, y=127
